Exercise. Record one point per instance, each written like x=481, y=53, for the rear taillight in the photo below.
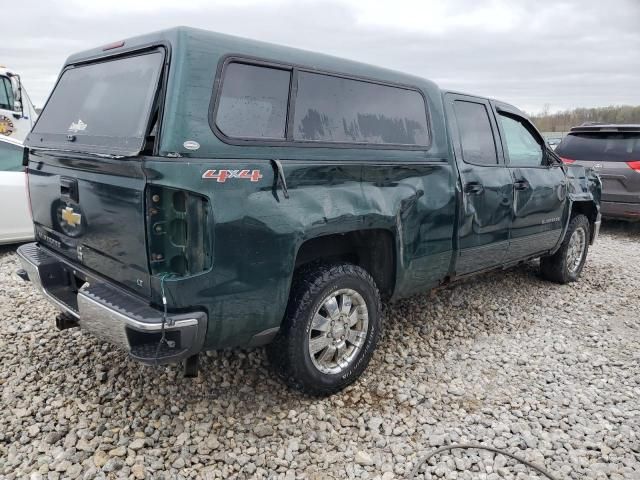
x=567, y=161
x=634, y=164
x=178, y=233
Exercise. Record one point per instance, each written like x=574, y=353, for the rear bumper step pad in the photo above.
x=111, y=314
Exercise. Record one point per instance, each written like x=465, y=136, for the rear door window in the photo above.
x=101, y=107
x=253, y=102
x=476, y=136
x=344, y=110
x=10, y=157
x=600, y=147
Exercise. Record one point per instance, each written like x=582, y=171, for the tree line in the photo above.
x=563, y=121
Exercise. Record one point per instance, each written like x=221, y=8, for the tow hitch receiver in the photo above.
x=64, y=321
x=191, y=366
x=22, y=273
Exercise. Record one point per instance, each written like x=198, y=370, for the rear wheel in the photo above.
x=330, y=329
x=567, y=263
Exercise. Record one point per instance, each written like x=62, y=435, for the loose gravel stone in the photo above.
x=263, y=430
x=118, y=452
x=138, y=471
x=137, y=444
x=363, y=458
x=548, y=372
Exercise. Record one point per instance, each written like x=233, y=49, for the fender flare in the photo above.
x=594, y=233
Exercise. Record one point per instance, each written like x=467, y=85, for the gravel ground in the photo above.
x=548, y=372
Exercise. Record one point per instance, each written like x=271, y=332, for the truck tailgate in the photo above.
x=91, y=210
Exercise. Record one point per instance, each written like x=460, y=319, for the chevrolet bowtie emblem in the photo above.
x=71, y=217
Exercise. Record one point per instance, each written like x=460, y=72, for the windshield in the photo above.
x=6, y=93
x=601, y=147
x=101, y=107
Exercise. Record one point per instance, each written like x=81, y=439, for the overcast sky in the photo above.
x=532, y=53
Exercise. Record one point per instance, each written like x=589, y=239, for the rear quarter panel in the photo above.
x=258, y=232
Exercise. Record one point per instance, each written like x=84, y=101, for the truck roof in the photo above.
x=4, y=70
x=222, y=44
x=606, y=127
x=498, y=103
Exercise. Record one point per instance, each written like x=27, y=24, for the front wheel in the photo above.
x=567, y=263
x=330, y=329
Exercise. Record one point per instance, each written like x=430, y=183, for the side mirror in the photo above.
x=551, y=158
x=17, y=109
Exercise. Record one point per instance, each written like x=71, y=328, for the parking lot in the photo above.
x=549, y=372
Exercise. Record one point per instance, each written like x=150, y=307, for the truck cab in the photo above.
x=17, y=113
x=240, y=193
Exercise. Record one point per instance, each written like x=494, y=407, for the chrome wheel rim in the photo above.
x=338, y=331
x=576, y=248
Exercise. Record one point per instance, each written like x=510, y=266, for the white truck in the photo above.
x=17, y=113
x=17, y=116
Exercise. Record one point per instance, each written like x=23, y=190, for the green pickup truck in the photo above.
x=194, y=191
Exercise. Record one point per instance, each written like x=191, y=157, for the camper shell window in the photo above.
x=278, y=104
x=254, y=102
x=101, y=107
x=343, y=110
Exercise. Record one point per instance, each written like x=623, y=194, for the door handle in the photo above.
x=474, y=188
x=521, y=184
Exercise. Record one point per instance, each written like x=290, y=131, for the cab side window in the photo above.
x=476, y=136
x=10, y=158
x=522, y=148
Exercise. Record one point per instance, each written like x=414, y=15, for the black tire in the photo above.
x=289, y=353
x=556, y=267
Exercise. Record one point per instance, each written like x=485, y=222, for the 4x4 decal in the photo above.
x=222, y=175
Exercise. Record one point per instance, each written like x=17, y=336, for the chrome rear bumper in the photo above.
x=110, y=313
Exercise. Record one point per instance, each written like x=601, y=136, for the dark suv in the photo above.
x=614, y=152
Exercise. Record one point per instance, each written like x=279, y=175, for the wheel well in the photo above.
x=372, y=250
x=588, y=209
